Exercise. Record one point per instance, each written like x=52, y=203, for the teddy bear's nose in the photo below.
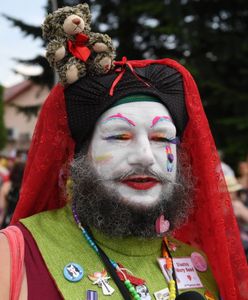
x=76, y=21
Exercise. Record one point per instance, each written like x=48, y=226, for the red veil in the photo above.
x=212, y=226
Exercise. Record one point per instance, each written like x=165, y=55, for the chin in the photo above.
x=140, y=201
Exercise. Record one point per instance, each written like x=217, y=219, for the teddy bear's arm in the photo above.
x=101, y=42
x=55, y=51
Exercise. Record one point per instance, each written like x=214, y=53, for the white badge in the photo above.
x=187, y=277
x=162, y=295
x=186, y=274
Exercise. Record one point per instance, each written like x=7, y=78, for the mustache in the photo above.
x=121, y=175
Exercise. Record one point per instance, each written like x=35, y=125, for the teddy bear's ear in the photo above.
x=85, y=10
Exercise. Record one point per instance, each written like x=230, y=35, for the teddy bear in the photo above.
x=72, y=49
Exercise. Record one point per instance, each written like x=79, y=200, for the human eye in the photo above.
x=119, y=137
x=162, y=138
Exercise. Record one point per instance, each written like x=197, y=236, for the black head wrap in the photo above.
x=89, y=97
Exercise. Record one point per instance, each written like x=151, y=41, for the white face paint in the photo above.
x=134, y=136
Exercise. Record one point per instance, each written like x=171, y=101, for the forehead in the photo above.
x=135, y=112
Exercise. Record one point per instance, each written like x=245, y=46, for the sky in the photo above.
x=13, y=43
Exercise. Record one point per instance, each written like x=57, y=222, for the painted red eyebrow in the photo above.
x=119, y=116
x=159, y=119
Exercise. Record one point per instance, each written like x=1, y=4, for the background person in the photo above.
x=236, y=192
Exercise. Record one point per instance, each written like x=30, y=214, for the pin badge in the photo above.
x=101, y=279
x=73, y=272
x=199, y=262
x=162, y=225
x=143, y=292
x=162, y=294
x=172, y=246
x=91, y=295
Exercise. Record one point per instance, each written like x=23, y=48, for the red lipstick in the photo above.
x=139, y=182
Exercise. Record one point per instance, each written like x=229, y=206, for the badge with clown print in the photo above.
x=73, y=272
x=143, y=292
x=101, y=279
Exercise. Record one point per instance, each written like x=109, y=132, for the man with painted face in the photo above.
x=132, y=157
x=146, y=198
x=143, y=172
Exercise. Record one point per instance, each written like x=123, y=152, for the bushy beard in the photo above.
x=102, y=207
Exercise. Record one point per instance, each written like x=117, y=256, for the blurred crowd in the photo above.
x=237, y=186
x=11, y=173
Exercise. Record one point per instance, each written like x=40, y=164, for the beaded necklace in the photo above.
x=170, y=270
x=127, y=283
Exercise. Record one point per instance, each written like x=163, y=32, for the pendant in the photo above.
x=143, y=292
x=101, y=279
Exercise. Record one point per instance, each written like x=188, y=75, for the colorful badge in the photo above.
x=199, y=262
x=172, y=246
x=143, y=292
x=162, y=294
x=209, y=296
x=162, y=225
x=91, y=295
x=73, y=272
x=101, y=279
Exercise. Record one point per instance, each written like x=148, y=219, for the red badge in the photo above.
x=199, y=262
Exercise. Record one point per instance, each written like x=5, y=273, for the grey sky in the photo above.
x=13, y=43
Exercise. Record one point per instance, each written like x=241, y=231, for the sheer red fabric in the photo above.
x=52, y=148
x=211, y=226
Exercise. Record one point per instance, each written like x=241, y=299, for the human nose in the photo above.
x=141, y=154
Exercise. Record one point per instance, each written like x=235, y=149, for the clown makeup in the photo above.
x=133, y=137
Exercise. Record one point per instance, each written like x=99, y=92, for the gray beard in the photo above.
x=102, y=207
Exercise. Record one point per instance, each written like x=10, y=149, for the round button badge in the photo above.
x=199, y=262
x=73, y=272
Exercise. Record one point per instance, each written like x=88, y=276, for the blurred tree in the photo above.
x=3, y=133
x=208, y=37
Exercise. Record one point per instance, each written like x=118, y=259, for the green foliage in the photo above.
x=3, y=133
x=208, y=37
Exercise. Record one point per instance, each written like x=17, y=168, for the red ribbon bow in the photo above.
x=78, y=49
x=134, y=280
x=123, y=63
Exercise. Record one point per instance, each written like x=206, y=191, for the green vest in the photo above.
x=61, y=242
